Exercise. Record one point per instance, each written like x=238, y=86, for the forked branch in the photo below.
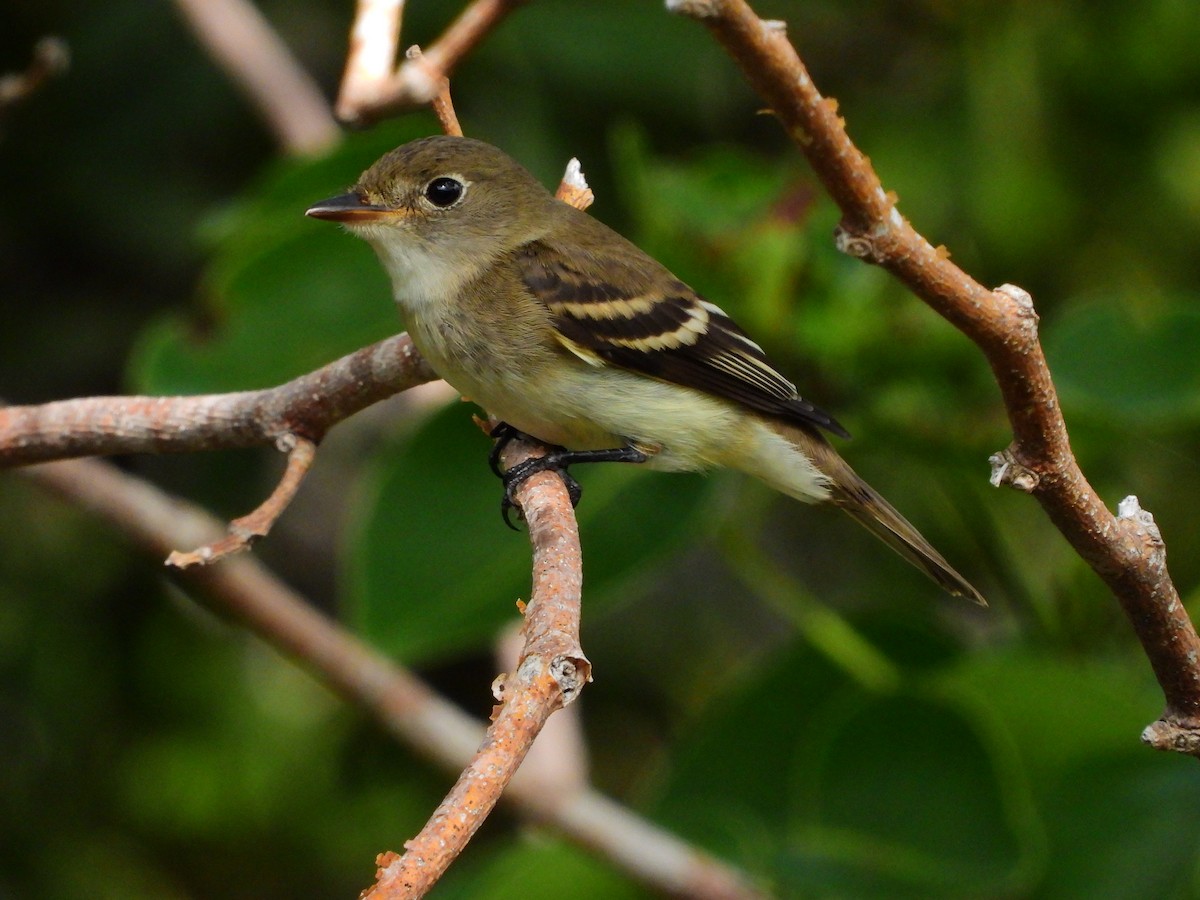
x=399, y=701
x=293, y=417
x=376, y=83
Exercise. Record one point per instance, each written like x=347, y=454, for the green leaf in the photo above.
x=537, y=868
x=1119, y=821
x=723, y=785
x=1039, y=702
x=906, y=798
x=732, y=223
x=284, y=319
x=1120, y=363
x=1124, y=828
x=283, y=294
x=839, y=791
x=432, y=569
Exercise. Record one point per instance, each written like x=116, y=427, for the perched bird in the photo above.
x=566, y=331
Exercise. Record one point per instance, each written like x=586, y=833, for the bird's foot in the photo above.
x=505, y=434
x=557, y=459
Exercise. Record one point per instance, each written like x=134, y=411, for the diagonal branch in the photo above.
x=258, y=62
x=403, y=705
x=1126, y=550
x=245, y=530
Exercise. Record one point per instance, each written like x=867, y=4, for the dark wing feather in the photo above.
x=660, y=327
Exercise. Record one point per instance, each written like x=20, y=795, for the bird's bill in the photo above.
x=349, y=208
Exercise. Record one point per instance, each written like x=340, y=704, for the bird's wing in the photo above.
x=657, y=325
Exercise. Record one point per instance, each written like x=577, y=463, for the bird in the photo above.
x=564, y=330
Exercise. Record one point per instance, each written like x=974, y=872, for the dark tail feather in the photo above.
x=879, y=517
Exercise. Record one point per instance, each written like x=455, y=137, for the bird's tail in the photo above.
x=868, y=508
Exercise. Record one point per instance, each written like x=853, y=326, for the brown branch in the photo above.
x=251, y=52
x=371, y=57
x=51, y=57
x=552, y=668
x=1125, y=551
x=306, y=406
x=551, y=673
x=442, y=104
x=294, y=417
x=560, y=753
x=403, y=705
x=373, y=86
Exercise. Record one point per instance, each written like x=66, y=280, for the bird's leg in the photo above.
x=557, y=459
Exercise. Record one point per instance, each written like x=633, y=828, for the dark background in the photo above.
x=770, y=682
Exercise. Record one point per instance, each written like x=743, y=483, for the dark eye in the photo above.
x=443, y=192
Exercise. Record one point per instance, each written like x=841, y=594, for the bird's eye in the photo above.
x=444, y=192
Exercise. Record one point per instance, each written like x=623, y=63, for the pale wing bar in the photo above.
x=668, y=331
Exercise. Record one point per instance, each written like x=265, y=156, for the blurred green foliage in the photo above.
x=771, y=683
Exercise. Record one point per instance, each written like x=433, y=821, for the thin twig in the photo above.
x=466, y=32
x=367, y=95
x=260, y=64
x=403, y=705
x=1126, y=551
x=442, y=103
x=245, y=530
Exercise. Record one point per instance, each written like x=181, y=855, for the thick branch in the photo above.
x=307, y=406
x=1003, y=324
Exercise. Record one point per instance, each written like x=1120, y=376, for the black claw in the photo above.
x=504, y=435
x=574, y=488
x=557, y=459
x=507, y=506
